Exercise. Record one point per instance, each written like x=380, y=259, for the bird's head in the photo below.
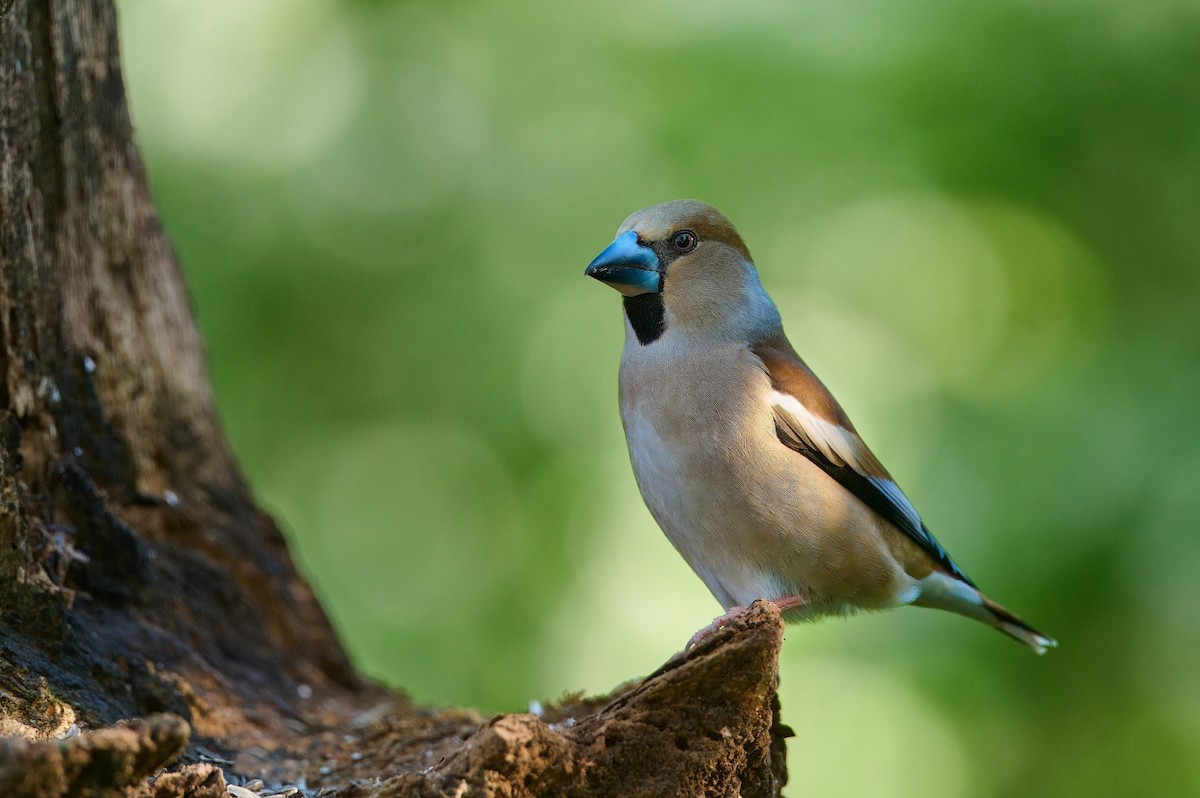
x=682, y=264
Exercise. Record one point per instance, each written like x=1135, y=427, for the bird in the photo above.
x=744, y=458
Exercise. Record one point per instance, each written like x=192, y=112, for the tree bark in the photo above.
x=139, y=579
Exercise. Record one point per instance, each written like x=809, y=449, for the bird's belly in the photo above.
x=701, y=516
x=754, y=519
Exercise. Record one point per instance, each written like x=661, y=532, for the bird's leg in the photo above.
x=784, y=603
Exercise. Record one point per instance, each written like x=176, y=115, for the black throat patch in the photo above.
x=646, y=315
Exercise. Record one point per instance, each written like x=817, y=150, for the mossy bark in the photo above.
x=137, y=574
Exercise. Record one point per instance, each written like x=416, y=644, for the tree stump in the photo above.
x=149, y=610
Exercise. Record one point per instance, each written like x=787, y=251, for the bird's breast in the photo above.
x=699, y=410
x=696, y=424
x=752, y=517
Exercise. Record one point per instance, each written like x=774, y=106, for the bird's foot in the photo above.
x=711, y=629
x=784, y=603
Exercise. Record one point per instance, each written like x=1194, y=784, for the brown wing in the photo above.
x=809, y=420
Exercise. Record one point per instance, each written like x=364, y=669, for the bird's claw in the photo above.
x=712, y=628
x=784, y=603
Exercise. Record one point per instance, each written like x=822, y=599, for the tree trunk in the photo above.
x=138, y=578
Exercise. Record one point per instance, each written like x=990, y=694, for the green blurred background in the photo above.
x=980, y=222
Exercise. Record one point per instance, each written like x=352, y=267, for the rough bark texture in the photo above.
x=136, y=573
x=138, y=576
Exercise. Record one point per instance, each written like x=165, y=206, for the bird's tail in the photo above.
x=944, y=592
x=1017, y=629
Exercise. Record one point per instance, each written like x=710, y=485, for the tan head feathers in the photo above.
x=657, y=222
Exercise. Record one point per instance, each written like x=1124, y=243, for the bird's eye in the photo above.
x=684, y=241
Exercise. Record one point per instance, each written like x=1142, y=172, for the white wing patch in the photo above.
x=841, y=446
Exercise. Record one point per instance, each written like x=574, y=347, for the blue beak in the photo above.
x=627, y=266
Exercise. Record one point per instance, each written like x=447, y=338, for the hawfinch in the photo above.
x=744, y=458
